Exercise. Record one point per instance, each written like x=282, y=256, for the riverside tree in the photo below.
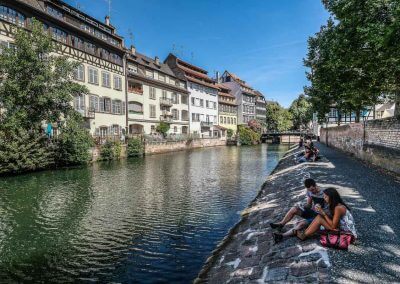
x=36, y=86
x=278, y=118
x=301, y=111
x=354, y=59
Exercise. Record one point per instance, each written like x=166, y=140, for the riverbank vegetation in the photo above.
x=36, y=88
x=278, y=118
x=135, y=147
x=247, y=136
x=354, y=60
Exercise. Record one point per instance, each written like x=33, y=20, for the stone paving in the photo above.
x=248, y=253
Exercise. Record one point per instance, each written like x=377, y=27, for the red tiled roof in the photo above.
x=198, y=69
x=195, y=73
x=197, y=81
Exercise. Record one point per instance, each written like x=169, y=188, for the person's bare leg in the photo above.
x=300, y=225
x=278, y=237
x=315, y=226
x=289, y=215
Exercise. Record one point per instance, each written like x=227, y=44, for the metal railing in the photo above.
x=206, y=123
x=165, y=102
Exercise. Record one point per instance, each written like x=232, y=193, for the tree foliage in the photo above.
x=248, y=136
x=36, y=86
x=73, y=143
x=255, y=125
x=301, y=111
x=278, y=118
x=22, y=151
x=163, y=128
x=135, y=147
x=354, y=59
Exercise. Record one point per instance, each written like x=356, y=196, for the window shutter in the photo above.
x=101, y=104
x=97, y=131
x=123, y=111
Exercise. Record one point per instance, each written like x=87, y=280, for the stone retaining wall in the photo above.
x=164, y=147
x=378, y=142
x=248, y=253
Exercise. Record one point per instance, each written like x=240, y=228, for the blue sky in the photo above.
x=261, y=41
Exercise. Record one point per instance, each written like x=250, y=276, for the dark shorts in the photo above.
x=308, y=214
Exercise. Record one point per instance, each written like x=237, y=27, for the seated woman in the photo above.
x=342, y=219
x=308, y=156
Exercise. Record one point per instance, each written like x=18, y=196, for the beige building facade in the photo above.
x=155, y=94
x=227, y=108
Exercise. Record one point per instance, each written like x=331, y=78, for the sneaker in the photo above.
x=277, y=237
x=276, y=225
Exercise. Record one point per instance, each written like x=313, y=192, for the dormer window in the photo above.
x=12, y=16
x=54, y=12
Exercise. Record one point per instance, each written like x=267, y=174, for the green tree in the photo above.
x=163, y=128
x=354, y=59
x=22, y=151
x=278, y=118
x=74, y=142
x=301, y=111
x=135, y=147
x=248, y=136
x=36, y=84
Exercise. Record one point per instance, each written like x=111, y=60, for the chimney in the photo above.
x=217, y=78
x=107, y=21
x=157, y=60
x=133, y=50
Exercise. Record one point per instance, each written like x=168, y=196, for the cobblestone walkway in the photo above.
x=248, y=254
x=375, y=201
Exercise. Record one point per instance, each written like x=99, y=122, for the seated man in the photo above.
x=314, y=196
x=307, y=157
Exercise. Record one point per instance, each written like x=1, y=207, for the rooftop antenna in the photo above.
x=109, y=8
x=131, y=37
x=174, y=49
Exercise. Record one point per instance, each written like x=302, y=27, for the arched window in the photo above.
x=135, y=107
x=12, y=16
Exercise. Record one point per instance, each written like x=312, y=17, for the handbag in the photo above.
x=337, y=239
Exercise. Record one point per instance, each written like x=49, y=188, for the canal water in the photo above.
x=149, y=220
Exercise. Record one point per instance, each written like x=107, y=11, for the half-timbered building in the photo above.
x=92, y=43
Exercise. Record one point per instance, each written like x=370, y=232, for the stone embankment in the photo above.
x=248, y=253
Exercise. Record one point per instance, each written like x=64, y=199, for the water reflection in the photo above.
x=144, y=220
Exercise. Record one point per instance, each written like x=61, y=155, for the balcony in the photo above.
x=86, y=112
x=166, y=113
x=166, y=102
x=135, y=88
x=166, y=119
x=206, y=123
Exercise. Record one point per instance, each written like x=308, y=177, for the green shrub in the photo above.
x=23, y=151
x=110, y=151
x=135, y=147
x=73, y=143
x=163, y=128
x=229, y=133
x=248, y=136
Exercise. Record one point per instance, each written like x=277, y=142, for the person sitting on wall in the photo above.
x=308, y=156
x=338, y=216
x=301, y=142
x=314, y=197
